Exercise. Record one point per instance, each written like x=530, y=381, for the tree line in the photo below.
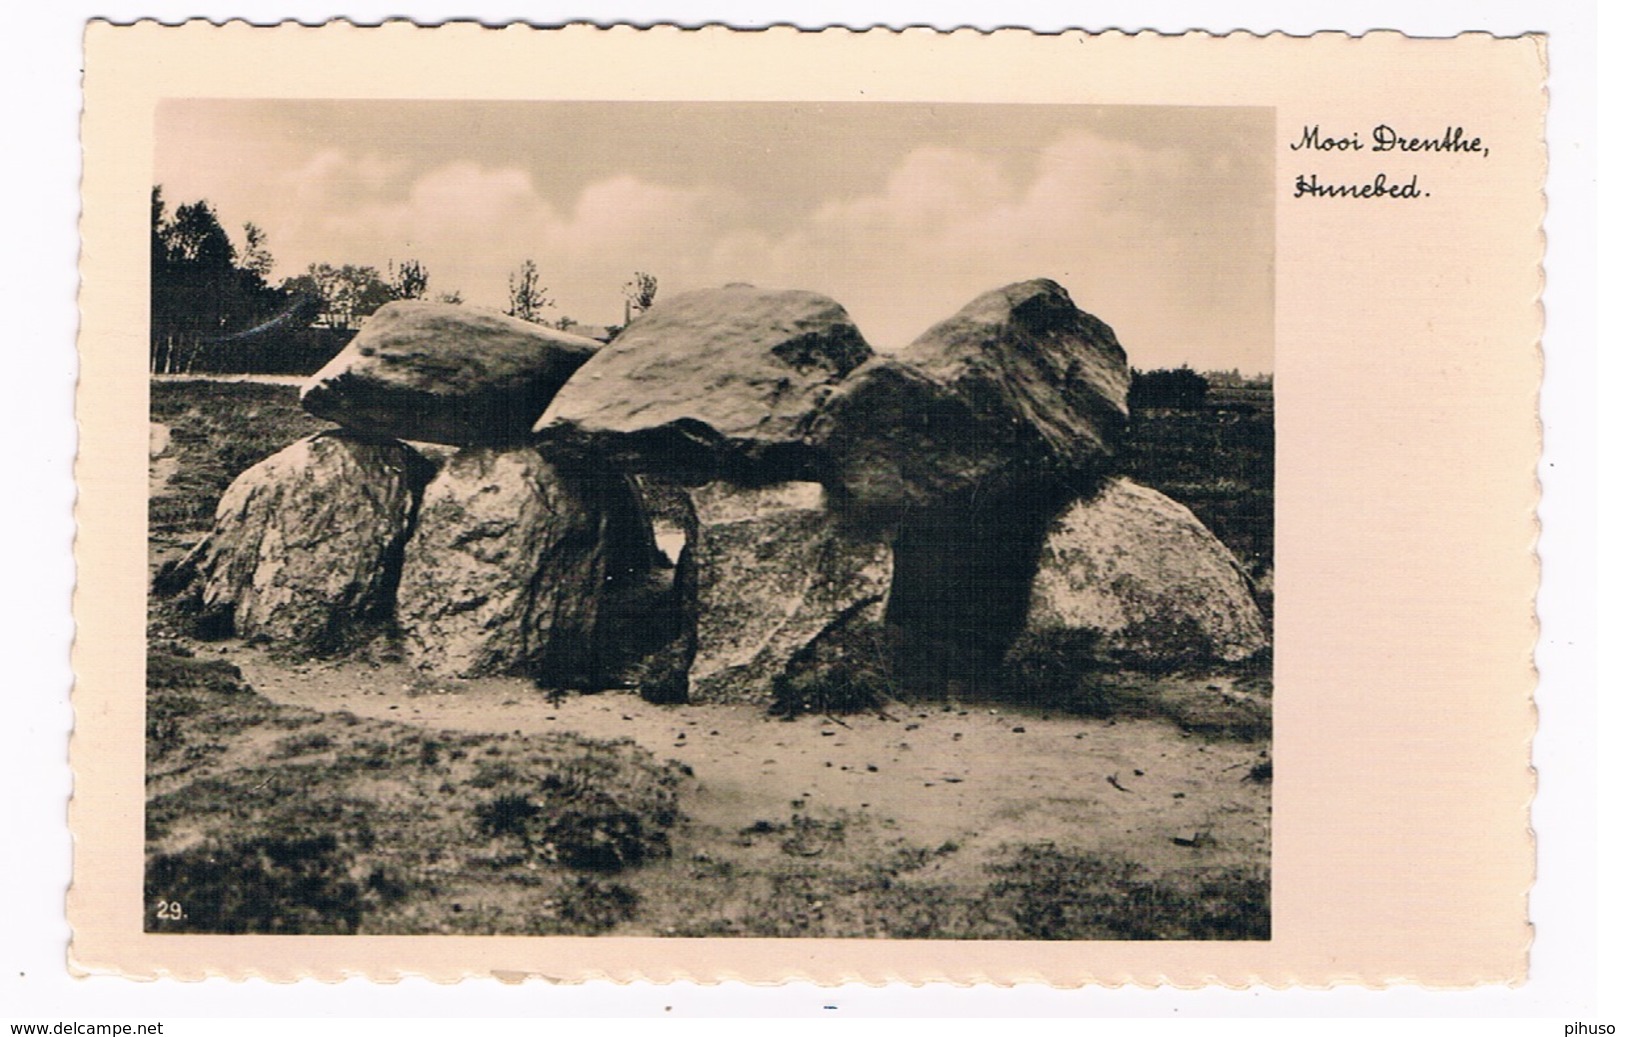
x=528, y=299
x=211, y=302
x=215, y=308
x=1181, y=388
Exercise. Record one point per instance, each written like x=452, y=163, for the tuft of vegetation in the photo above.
x=834, y=690
x=589, y=906
x=303, y=743
x=639, y=293
x=1159, y=644
x=191, y=705
x=579, y=812
x=1057, y=671
x=527, y=297
x=662, y=677
x=1060, y=669
x=507, y=814
x=1215, y=715
x=587, y=826
x=848, y=670
x=810, y=836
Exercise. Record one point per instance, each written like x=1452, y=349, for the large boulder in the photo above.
x=1129, y=576
x=508, y=568
x=306, y=545
x=1018, y=389
x=774, y=572
x=443, y=373
x=720, y=383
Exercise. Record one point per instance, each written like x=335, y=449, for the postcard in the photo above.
x=888, y=506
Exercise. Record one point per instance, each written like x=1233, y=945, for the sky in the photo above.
x=1159, y=221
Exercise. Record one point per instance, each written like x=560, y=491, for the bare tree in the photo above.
x=348, y=293
x=526, y=296
x=639, y=293
x=410, y=280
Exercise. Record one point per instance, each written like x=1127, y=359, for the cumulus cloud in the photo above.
x=1170, y=245
x=471, y=226
x=333, y=178
x=1134, y=233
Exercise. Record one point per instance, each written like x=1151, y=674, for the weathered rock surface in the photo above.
x=508, y=567
x=1020, y=388
x=720, y=383
x=306, y=545
x=773, y=573
x=1131, y=576
x=444, y=373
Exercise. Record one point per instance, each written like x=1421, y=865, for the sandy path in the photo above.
x=978, y=777
x=160, y=467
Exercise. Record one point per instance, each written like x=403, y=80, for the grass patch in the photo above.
x=1035, y=891
x=1049, y=893
x=192, y=705
x=267, y=819
x=810, y=836
x=218, y=430
x=302, y=744
x=266, y=884
x=568, y=817
x=838, y=688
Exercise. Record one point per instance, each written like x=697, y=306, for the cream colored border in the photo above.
x=1407, y=373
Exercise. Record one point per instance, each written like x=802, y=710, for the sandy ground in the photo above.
x=978, y=777
x=161, y=467
x=966, y=782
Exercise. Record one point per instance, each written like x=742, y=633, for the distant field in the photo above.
x=1219, y=461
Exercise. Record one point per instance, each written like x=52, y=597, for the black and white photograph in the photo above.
x=710, y=519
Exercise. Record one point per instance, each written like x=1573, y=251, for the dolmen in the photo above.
x=736, y=499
